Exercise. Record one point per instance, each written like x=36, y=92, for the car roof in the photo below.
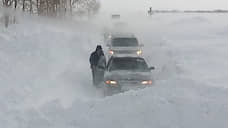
x=122, y=35
x=126, y=57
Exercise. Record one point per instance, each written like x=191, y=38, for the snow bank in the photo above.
x=45, y=78
x=40, y=62
x=185, y=104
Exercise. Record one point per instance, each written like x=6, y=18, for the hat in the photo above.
x=98, y=47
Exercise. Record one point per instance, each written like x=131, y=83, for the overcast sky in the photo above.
x=142, y=5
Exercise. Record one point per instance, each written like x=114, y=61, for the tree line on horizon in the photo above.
x=54, y=7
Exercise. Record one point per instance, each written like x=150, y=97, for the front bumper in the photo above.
x=132, y=87
x=126, y=86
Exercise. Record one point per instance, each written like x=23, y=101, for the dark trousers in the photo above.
x=93, y=74
x=98, y=76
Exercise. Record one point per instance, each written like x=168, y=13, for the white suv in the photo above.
x=123, y=44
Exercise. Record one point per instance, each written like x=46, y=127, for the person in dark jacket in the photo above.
x=97, y=65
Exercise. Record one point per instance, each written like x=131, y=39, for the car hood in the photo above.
x=127, y=76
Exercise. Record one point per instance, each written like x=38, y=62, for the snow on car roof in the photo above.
x=127, y=58
x=121, y=35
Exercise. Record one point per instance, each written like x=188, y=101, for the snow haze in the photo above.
x=143, y=5
x=45, y=76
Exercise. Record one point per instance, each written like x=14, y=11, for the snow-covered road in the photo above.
x=45, y=80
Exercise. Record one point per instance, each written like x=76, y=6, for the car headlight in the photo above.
x=139, y=52
x=146, y=82
x=111, y=83
x=111, y=52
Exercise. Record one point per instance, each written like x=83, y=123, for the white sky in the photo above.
x=143, y=5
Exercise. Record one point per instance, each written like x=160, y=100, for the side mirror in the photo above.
x=151, y=68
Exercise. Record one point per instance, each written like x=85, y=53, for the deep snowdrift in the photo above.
x=45, y=78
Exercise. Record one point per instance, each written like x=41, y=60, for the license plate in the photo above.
x=129, y=87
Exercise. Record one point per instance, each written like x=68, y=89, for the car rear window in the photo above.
x=124, y=42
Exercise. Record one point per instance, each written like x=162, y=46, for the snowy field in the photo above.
x=45, y=79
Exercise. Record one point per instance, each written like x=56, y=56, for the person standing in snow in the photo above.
x=97, y=65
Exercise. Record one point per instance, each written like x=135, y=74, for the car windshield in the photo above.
x=131, y=64
x=124, y=42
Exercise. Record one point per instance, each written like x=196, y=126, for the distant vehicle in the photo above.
x=125, y=44
x=125, y=73
x=115, y=16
